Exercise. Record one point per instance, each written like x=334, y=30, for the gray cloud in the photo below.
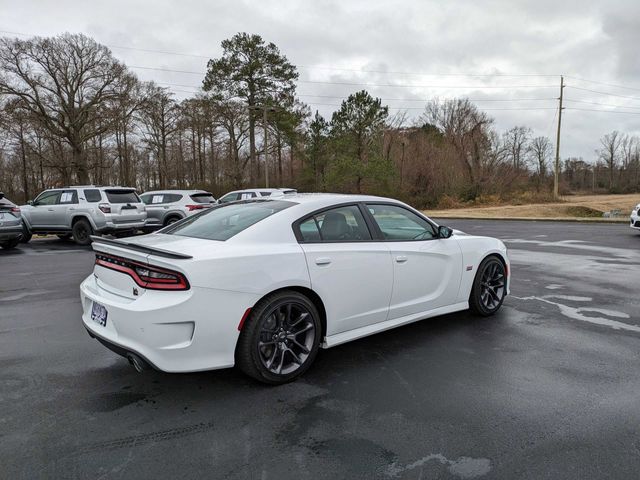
x=596, y=40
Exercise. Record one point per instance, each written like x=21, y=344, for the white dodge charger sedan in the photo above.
x=264, y=283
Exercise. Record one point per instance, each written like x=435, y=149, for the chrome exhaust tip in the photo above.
x=136, y=362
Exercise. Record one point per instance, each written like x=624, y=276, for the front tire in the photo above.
x=280, y=339
x=82, y=232
x=489, y=287
x=26, y=234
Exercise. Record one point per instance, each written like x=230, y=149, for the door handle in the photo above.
x=401, y=258
x=71, y=208
x=50, y=209
x=323, y=261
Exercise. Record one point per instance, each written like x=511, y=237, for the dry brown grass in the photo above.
x=590, y=206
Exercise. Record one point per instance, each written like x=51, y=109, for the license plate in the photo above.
x=99, y=314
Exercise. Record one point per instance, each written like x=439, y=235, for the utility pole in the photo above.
x=266, y=145
x=265, y=109
x=556, y=175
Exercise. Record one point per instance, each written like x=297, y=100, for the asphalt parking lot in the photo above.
x=548, y=388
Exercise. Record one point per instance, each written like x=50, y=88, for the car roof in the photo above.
x=183, y=192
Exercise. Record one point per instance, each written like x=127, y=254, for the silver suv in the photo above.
x=254, y=193
x=168, y=206
x=10, y=223
x=82, y=211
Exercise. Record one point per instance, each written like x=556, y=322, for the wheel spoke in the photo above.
x=306, y=328
x=279, y=370
x=299, y=319
x=304, y=349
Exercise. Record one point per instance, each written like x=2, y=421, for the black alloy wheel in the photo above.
x=489, y=287
x=280, y=339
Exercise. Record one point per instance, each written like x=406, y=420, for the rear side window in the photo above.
x=225, y=221
x=265, y=194
x=202, y=198
x=92, y=195
x=341, y=224
x=68, y=197
x=122, y=196
x=171, y=197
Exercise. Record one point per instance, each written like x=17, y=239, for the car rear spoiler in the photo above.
x=140, y=248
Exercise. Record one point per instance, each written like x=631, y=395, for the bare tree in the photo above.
x=515, y=142
x=540, y=149
x=610, y=152
x=65, y=82
x=467, y=129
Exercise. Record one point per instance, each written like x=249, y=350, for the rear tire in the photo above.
x=82, y=232
x=172, y=220
x=280, y=339
x=9, y=244
x=489, y=287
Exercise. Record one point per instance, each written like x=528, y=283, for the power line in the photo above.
x=600, y=110
x=603, y=83
x=602, y=93
x=598, y=103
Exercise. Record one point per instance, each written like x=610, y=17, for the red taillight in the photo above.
x=146, y=276
x=15, y=209
x=105, y=208
x=195, y=207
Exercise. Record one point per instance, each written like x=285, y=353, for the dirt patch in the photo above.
x=575, y=206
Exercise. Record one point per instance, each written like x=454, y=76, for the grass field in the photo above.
x=583, y=207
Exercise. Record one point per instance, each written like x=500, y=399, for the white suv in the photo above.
x=635, y=218
x=255, y=193
x=81, y=211
x=165, y=207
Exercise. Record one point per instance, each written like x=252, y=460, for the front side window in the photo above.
x=229, y=197
x=341, y=224
x=399, y=224
x=225, y=221
x=47, y=198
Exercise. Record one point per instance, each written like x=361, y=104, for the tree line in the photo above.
x=71, y=113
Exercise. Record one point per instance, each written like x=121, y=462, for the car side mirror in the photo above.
x=444, y=232
x=30, y=202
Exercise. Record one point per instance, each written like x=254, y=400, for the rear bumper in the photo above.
x=10, y=233
x=120, y=227
x=184, y=331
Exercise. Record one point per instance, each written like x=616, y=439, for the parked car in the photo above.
x=10, y=223
x=165, y=207
x=255, y=193
x=81, y=211
x=265, y=283
x=635, y=218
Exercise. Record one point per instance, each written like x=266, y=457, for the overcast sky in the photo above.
x=426, y=48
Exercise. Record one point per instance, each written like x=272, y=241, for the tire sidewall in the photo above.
x=252, y=329
x=476, y=300
x=81, y=224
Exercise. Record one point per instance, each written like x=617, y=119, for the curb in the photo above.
x=615, y=221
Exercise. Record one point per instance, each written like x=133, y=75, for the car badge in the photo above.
x=135, y=291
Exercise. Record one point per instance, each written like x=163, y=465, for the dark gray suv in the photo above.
x=10, y=223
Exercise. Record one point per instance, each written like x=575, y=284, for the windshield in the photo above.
x=122, y=196
x=225, y=221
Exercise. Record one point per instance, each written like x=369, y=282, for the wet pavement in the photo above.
x=548, y=388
